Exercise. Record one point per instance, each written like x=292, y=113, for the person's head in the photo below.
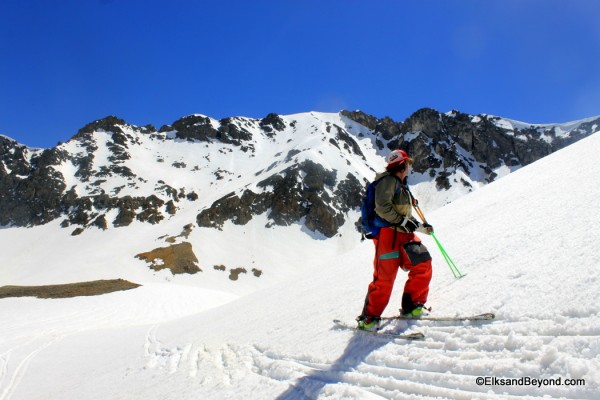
x=398, y=162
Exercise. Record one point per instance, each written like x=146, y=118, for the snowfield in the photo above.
x=527, y=244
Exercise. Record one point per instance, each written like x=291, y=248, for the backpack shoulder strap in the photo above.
x=404, y=186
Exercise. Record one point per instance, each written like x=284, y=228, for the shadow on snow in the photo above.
x=358, y=349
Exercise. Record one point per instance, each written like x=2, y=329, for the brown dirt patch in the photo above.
x=92, y=288
x=179, y=258
x=234, y=274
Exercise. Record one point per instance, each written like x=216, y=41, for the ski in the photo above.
x=478, y=317
x=405, y=336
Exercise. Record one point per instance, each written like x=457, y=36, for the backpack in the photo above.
x=371, y=222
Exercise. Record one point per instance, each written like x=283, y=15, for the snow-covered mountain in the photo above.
x=305, y=168
x=526, y=242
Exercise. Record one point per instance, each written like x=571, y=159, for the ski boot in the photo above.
x=417, y=312
x=368, y=323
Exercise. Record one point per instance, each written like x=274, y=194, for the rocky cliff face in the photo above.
x=31, y=190
x=291, y=199
x=305, y=168
x=443, y=143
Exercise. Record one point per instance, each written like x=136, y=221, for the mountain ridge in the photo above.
x=307, y=168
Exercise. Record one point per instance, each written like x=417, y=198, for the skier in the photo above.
x=396, y=246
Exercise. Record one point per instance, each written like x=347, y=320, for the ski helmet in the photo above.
x=396, y=158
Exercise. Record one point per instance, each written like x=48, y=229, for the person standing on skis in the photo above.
x=397, y=246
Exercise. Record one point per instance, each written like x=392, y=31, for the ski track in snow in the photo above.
x=444, y=365
x=24, y=353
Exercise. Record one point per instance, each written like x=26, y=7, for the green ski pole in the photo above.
x=455, y=271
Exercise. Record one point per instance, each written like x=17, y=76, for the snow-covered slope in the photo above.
x=526, y=242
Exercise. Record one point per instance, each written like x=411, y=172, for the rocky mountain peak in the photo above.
x=106, y=124
x=272, y=122
x=362, y=118
x=426, y=120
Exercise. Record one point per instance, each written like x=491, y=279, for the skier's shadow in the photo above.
x=358, y=349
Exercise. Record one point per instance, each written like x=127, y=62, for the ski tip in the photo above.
x=414, y=336
x=485, y=316
x=477, y=317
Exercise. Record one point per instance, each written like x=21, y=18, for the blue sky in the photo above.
x=65, y=63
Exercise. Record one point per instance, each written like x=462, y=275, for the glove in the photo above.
x=425, y=229
x=409, y=224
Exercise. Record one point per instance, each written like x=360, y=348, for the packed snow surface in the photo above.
x=527, y=244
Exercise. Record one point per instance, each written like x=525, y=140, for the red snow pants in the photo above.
x=395, y=250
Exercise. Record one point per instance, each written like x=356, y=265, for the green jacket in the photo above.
x=393, y=200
